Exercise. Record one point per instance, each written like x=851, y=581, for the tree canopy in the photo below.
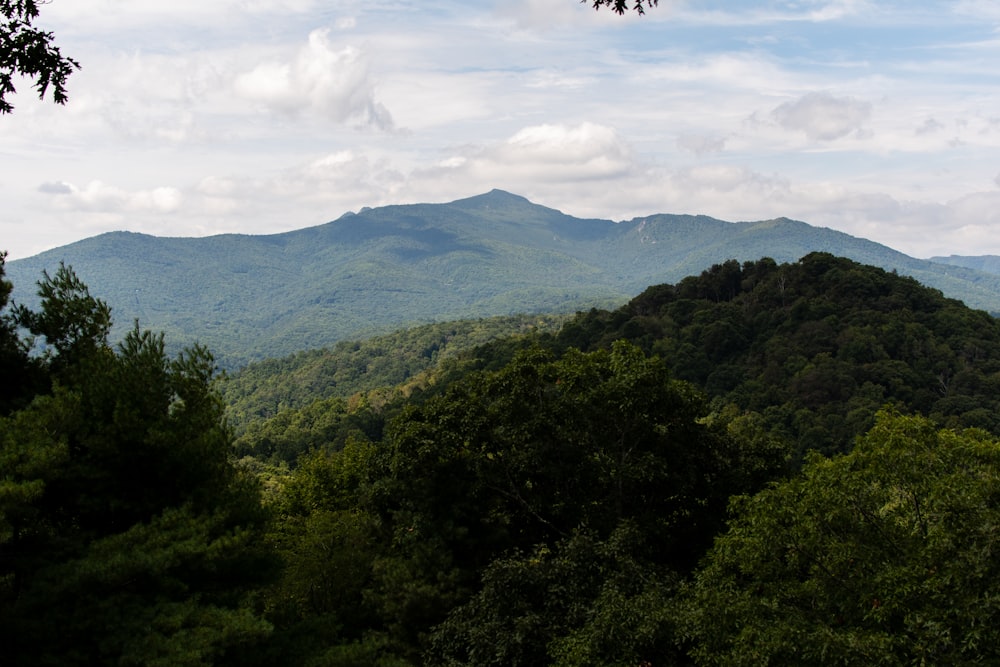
x=28, y=51
x=886, y=555
x=815, y=346
x=122, y=523
x=542, y=505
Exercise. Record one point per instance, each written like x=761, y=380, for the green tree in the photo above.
x=122, y=522
x=581, y=601
x=527, y=454
x=825, y=340
x=329, y=544
x=885, y=555
x=72, y=325
x=27, y=51
x=20, y=374
x=553, y=456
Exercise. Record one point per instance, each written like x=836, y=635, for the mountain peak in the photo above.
x=493, y=199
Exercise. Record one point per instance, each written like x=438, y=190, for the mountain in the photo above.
x=249, y=297
x=985, y=263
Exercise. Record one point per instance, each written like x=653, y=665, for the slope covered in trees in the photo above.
x=816, y=347
x=600, y=449
x=262, y=389
x=554, y=498
x=811, y=350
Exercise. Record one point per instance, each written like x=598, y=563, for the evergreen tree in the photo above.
x=20, y=375
x=125, y=535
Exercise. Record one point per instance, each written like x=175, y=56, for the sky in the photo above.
x=201, y=117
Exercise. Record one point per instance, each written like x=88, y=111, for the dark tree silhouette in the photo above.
x=621, y=6
x=27, y=51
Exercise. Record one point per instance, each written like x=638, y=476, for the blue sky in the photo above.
x=189, y=118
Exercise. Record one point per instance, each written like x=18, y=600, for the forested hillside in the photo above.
x=264, y=388
x=763, y=464
x=378, y=270
x=811, y=349
x=815, y=347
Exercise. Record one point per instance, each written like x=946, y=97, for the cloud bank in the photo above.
x=258, y=116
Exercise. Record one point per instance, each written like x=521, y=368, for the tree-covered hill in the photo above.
x=255, y=297
x=262, y=389
x=812, y=349
x=815, y=346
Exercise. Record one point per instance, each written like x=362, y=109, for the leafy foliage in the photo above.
x=403, y=359
x=885, y=555
x=21, y=374
x=26, y=50
x=367, y=382
x=621, y=6
x=583, y=453
x=540, y=499
x=122, y=522
x=73, y=324
x=582, y=601
x=816, y=347
x=528, y=453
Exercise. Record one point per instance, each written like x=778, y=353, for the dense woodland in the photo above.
x=763, y=464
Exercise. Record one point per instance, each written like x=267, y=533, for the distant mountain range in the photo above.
x=250, y=297
x=986, y=263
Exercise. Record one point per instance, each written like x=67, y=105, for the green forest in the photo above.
x=764, y=464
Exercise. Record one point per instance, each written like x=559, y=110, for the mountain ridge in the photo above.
x=985, y=263
x=379, y=269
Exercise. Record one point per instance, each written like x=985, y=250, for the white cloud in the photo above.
x=111, y=16
x=255, y=127
x=534, y=161
x=728, y=71
x=55, y=188
x=276, y=6
x=586, y=149
x=823, y=117
x=827, y=10
x=322, y=79
x=781, y=11
x=96, y=196
x=987, y=10
x=552, y=153
x=538, y=14
x=306, y=194
x=701, y=144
